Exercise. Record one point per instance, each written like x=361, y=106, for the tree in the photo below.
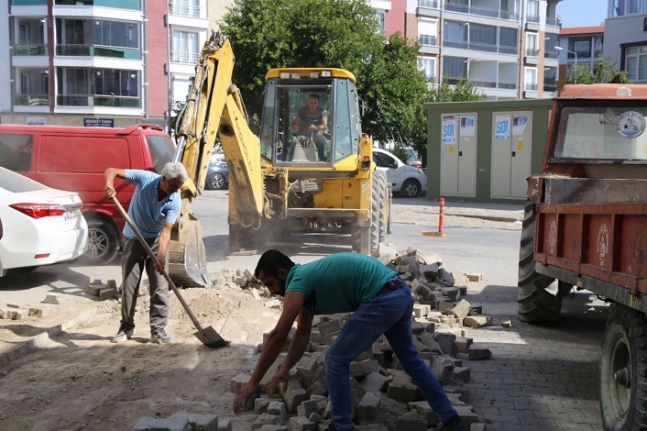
x=604, y=70
x=328, y=33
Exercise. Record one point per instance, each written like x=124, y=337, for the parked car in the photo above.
x=41, y=225
x=413, y=159
x=75, y=158
x=218, y=172
x=406, y=180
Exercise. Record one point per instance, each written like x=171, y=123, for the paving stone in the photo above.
x=260, y=405
x=475, y=276
x=374, y=382
x=277, y=408
x=107, y=293
x=293, y=397
x=368, y=407
x=40, y=311
x=461, y=373
x=51, y=298
x=425, y=411
x=329, y=327
x=268, y=427
x=411, y=422
x=442, y=368
x=446, y=342
x=198, y=422
x=317, y=388
x=478, y=351
x=239, y=381
x=307, y=407
x=152, y=424
x=401, y=389
x=298, y=423
x=462, y=309
x=463, y=344
x=265, y=419
x=450, y=292
x=7, y=313
x=477, y=321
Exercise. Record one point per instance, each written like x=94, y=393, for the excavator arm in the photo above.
x=213, y=108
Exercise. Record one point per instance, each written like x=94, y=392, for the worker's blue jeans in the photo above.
x=388, y=314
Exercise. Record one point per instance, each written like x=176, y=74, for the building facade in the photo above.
x=99, y=62
x=504, y=47
x=625, y=37
x=579, y=45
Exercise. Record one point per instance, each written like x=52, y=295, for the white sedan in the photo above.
x=406, y=180
x=40, y=225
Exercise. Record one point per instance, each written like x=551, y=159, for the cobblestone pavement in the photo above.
x=538, y=378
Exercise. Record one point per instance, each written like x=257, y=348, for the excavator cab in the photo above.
x=326, y=96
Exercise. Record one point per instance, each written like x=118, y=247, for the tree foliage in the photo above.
x=462, y=91
x=604, y=70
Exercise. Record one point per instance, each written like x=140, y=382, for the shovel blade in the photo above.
x=210, y=338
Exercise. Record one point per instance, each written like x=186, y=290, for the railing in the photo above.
x=185, y=8
x=532, y=52
x=184, y=57
x=484, y=84
x=426, y=39
x=492, y=13
x=499, y=49
x=580, y=54
x=550, y=88
x=31, y=100
x=552, y=21
x=99, y=51
x=528, y=86
x=28, y=2
x=98, y=100
x=506, y=85
x=551, y=54
x=30, y=50
x=117, y=4
x=531, y=17
x=428, y=3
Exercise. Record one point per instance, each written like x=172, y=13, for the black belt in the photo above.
x=391, y=285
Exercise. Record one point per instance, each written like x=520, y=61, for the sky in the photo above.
x=580, y=13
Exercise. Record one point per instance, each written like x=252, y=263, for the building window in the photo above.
x=582, y=48
x=190, y=8
x=380, y=20
x=636, y=63
x=628, y=7
x=550, y=79
x=533, y=11
x=455, y=68
x=185, y=47
x=532, y=44
x=530, y=82
x=428, y=66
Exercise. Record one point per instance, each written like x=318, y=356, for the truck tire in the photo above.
x=623, y=370
x=536, y=305
x=382, y=188
x=375, y=212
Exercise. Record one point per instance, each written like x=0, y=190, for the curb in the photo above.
x=25, y=347
x=486, y=217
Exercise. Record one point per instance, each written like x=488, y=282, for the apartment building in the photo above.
x=625, y=37
x=99, y=62
x=504, y=47
x=578, y=45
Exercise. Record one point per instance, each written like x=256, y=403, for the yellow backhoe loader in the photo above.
x=279, y=182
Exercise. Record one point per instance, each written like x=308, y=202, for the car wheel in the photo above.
x=103, y=242
x=216, y=182
x=410, y=188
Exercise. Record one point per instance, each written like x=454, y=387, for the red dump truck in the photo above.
x=585, y=226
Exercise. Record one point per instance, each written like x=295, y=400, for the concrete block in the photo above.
x=307, y=407
x=424, y=410
x=260, y=405
x=311, y=368
x=315, y=417
x=446, y=342
x=467, y=415
x=107, y=293
x=19, y=314
x=40, y=311
x=451, y=292
x=152, y=424
x=317, y=388
x=462, y=290
x=298, y=423
x=506, y=324
x=361, y=369
x=460, y=279
x=421, y=310
x=461, y=310
x=224, y=424
x=368, y=407
x=462, y=373
x=277, y=408
x=463, y=344
x=269, y=427
x=7, y=313
x=477, y=321
x=51, y=298
x=477, y=351
x=429, y=271
x=411, y=422
x=475, y=276
x=12, y=305
x=274, y=303
x=401, y=389
x=374, y=382
x=442, y=368
x=444, y=305
x=265, y=419
x=198, y=422
x=476, y=309
x=239, y=381
x=293, y=397
x=93, y=289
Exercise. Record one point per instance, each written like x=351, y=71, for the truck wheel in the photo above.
x=381, y=179
x=536, y=305
x=103, y=242
x=623, y=370
x=389, y=194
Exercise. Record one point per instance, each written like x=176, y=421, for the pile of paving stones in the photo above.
x=384, y=397
x=17, y=312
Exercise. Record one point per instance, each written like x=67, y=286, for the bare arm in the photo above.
x=296, y=124
x=300, y=341
x=162, y=245
x=292, y=306
x=110, y=174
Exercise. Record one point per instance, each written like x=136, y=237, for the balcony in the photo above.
x=550, y=88
x=185, y=8
x=28, y=2
x=483, y=84
x=551, y=54
x=98, y=100
x=532, y=52
x=31, y=100
x=426, y=39
x=433, y=4
x=98, y=51
x=534, y=18
x=184, y=57
x=117, y=4
x=492, y=13
x=476, y=46
x=28, y=50
x=553, y=21
x=529, y=86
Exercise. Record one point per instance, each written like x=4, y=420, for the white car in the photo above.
x=40, y=225
x=406, y=180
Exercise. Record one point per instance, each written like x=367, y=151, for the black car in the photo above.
x=218, y=173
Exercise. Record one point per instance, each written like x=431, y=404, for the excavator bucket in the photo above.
x=187, y=256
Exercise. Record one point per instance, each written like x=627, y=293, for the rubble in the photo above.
x=102, y=290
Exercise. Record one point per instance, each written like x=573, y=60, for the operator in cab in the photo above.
x=309, y=125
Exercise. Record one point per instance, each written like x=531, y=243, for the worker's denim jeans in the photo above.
x=388, y=314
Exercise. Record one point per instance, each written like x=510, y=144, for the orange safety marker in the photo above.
x=441, y=222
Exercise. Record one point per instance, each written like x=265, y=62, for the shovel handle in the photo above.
x=156, y=261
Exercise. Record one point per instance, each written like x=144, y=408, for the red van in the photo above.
x=75, y=158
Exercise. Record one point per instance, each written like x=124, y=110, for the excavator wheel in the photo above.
x=357, y=232
x=382, y=204
x=536, y=304
x=623, y=370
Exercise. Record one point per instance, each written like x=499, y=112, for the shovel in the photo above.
x=208, y=336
